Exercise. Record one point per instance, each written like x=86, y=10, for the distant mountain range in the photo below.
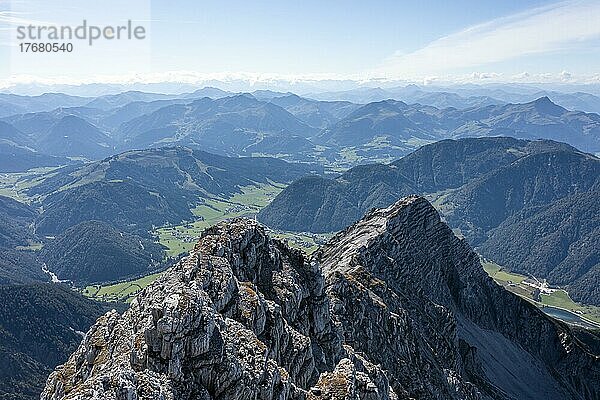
x=231, y=125
x=388, y=120
x=466, y=96
x=333, y=133
x=391, y=123
x=318, y=114
x=11, y=104
x=506, y=196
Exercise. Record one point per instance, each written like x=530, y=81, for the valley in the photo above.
x=548, y=299
x=247, y=201
x=15, y=184
x=181, y=238
x=177, y=239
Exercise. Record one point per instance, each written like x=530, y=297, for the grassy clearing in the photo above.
x=349, y=155
x=500, y=274
x=181, y=238
x=559, y=298
x=379, y=142
x=119, y=292
x=15, y=184
x=417, y=142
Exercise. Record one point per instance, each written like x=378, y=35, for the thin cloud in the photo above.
x=333, y=82
x=11, y=18
x=552, y=28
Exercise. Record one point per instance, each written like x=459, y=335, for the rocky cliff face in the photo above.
x=395, y=307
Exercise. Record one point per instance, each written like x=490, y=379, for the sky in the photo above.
x=415, y=41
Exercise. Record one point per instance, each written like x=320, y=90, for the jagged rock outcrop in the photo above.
x=393, y=307
x=242, y=317
x=415, y=300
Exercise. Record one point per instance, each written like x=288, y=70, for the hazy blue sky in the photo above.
x=404, y=40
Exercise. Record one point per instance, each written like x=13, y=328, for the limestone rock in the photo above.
x=394, y=307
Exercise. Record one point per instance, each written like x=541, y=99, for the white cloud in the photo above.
x=185, y=77
x=324, y=82
x=523, y=75
x=565, y=76
x=552, y=28
x=429, y=80
x=480, y=76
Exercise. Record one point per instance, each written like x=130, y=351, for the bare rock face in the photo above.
x=243, y=317
x=414, y=299
x=394, y=307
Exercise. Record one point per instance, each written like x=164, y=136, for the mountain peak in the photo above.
x=241, y=99
x=543, y=99
x=209, y=91
x=406, y=245
x=71, y=124
x=412, y=210
x=290, y=96
x=546, y=106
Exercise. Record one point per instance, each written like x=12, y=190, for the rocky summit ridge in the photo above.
x=393, y=307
